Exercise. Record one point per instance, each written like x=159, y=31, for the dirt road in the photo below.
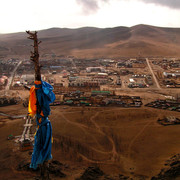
x=12, y=76
x=156, y=81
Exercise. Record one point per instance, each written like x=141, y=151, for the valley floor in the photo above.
x=126, y=141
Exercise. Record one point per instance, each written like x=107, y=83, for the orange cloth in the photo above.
x=32, y=102
x=37, y=82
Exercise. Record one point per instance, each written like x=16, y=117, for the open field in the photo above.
x=126, y=141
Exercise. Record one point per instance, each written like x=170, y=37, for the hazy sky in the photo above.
x=21, y=15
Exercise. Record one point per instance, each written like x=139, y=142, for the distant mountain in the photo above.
x=92, y=42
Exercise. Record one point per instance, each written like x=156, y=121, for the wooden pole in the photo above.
x=35, y=58
x=35, y=55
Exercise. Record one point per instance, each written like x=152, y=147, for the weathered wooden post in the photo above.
x=35, y=55
x=41, y=118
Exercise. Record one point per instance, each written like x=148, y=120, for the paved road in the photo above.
x=155, y=79
x=10, y=80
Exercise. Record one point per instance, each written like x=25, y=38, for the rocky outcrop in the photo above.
x=53, y=169
x=91, y=173
x=172, y=171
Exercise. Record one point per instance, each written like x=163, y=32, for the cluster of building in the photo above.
x=78, y=73
x=131, y=63
x=91, y=73
x=172, y=105
x=95, y=69
x=169, y=83
x=171, y=79
x=89, y=81
x=4, y=101
x=169, y=120
x=171, y=74
x=140, y=81
x=167, y=63
x=98, y=98
x=168, y=72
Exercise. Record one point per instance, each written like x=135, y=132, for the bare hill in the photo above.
x=97, y=42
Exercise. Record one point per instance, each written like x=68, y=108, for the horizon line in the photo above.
x=6, y=33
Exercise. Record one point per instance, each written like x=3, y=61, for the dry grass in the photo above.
x=119, y=140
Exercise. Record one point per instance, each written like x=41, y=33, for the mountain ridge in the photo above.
x=93, y=42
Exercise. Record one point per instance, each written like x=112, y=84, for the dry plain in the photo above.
x=126, y=141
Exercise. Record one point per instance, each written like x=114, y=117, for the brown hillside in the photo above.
x=98, y=42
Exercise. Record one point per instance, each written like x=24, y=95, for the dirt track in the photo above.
x=152, y=72
x=124, y=137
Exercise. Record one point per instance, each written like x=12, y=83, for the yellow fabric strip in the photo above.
x=32, y=102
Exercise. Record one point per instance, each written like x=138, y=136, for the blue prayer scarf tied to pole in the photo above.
x=43, y=137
